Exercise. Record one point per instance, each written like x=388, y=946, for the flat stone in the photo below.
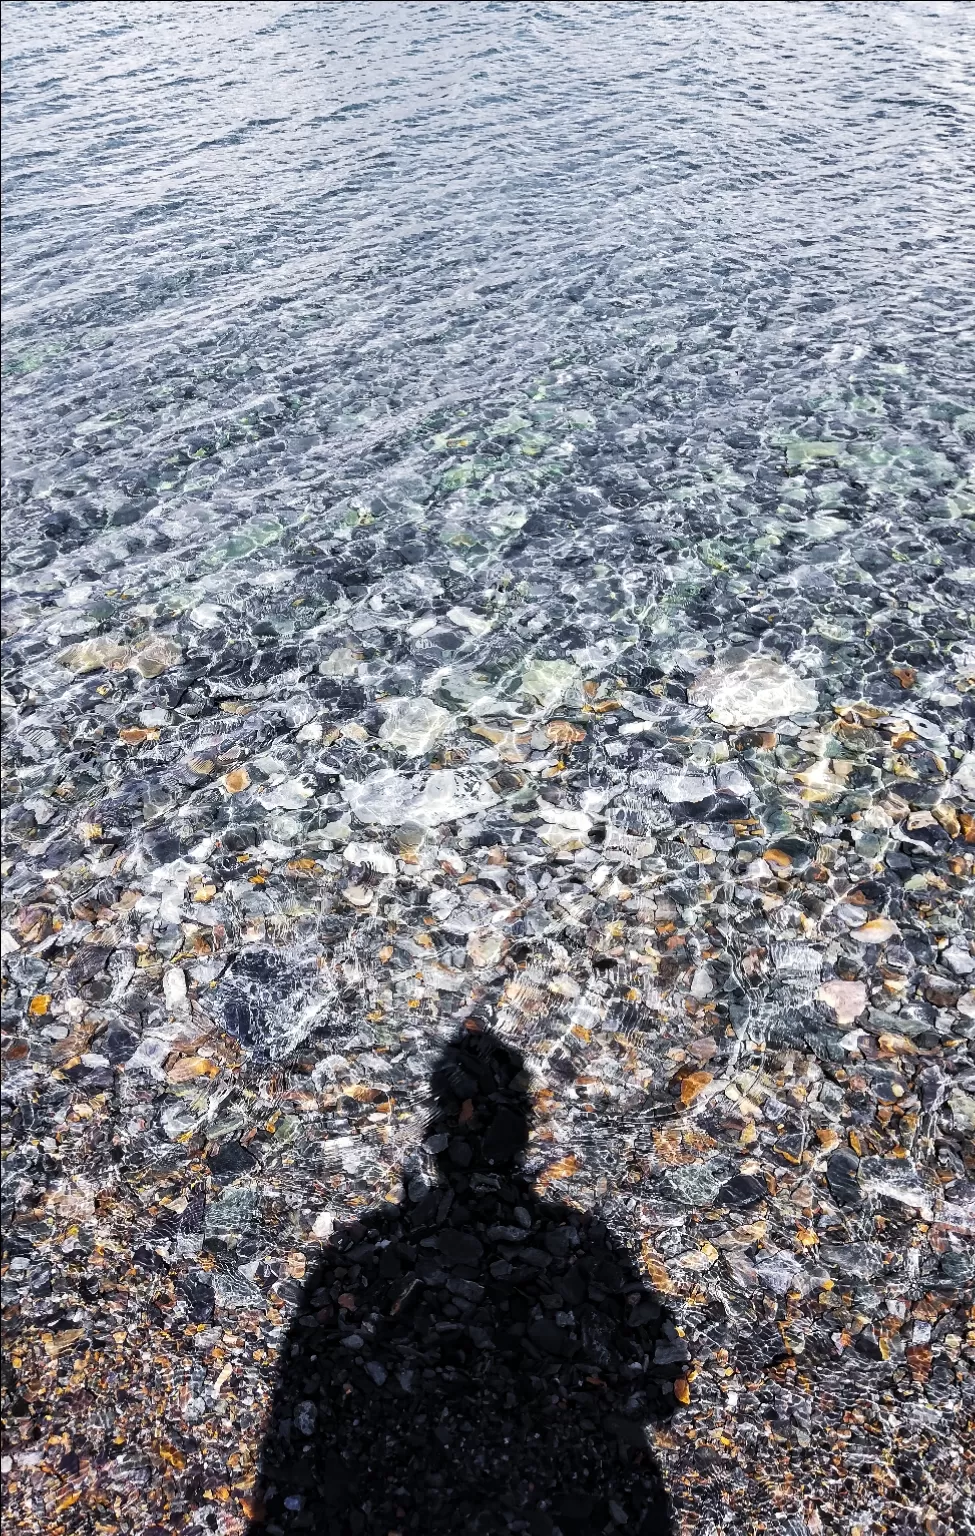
x=414, y=725
x=696, y=1184
x=235, y=1293
x=547, y=682
x=880, y=930
x=92, y=655
x=390, y=799
x=157, y=657
x=842, y=1177
x=846, y=999
x=897, y=1179
x=743, y=1191
x=459, y=1247
x=752, y=692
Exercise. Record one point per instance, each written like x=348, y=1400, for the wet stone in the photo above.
x=695, y=1185
x=842, y=1176
x=230, y=1160
x=459, y=1248
x=743, y=1191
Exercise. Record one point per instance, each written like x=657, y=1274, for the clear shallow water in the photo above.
x=600, y=377
x=524, y=360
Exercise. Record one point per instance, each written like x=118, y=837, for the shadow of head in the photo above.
x=483, y=1108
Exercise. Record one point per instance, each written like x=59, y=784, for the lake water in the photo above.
x=460, y=464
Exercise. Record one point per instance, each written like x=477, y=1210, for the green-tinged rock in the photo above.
x=548, y=681
x=157, y=657
x=800, y=452
x=92, y=655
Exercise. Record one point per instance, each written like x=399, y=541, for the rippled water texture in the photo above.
x=476, y=478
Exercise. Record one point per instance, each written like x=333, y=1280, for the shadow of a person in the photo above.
x=475, y=1359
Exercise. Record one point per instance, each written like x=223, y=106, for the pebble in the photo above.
x=846, y=999
x=174, y=988
x=878, y=931
x=485, y=946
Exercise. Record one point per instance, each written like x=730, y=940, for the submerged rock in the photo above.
x=270, y=1001
x=389, y=799
x=846, y=999
x=413, y=725
x=548, y=681
x=753, y=692
x=157, y=657
x=92, y=655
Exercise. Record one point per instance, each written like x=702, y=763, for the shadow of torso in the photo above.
x=472, y=1360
